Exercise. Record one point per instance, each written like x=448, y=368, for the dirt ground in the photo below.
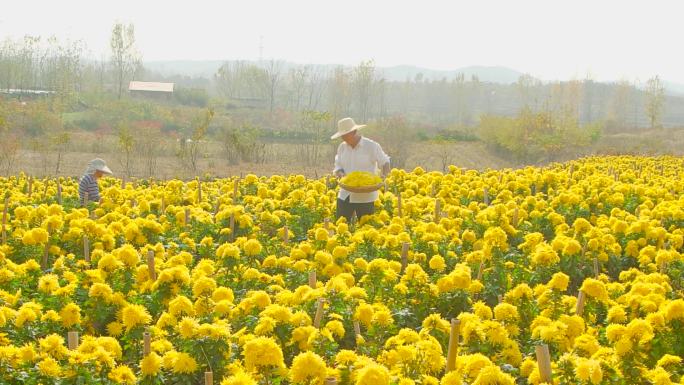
x=282, y=160
x=285, y=159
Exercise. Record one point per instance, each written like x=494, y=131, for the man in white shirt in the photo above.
x=357, y=153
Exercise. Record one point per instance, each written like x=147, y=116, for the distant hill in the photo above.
x=674, y=88
x=208, y=68
x=496, y=74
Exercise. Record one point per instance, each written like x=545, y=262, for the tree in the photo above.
x=126, y=143
x=620, y=102
x=125, y=58
x=364, y=80
x=655, y=100
x=200, y=125
x=273, y=73
x=340, y=93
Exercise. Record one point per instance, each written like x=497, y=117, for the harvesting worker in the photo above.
x=357, y=153
x=88, y=184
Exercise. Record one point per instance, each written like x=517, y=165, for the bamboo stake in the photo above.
x=59, y=192
x=399, y=211
x=150, y=265
x=319, y=313
x=47, y=180
x=312, y=279
x=86, y=248
x=187, y=217
x=515, y=217
x=147, y=343
x=486, y=196
x=579, y=308
x=162, y=207
x=357, y=329
x=232, y=226
x=452, y=352
x=404, y=256
x=199, y=190
x=208, y=378
x=236, y=184
x=46, y=253
x=544, y=362
x=480, y=271
x=217, y=207
x=438, y=210
x=4, y=220
x=286, y=235
x=72, y=340
x=596, y=267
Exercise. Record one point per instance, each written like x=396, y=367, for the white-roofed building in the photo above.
x=151, y=89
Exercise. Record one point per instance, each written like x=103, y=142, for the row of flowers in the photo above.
x=252, y=280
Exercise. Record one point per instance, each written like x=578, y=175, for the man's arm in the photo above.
x=385, y=169
x=383, y=161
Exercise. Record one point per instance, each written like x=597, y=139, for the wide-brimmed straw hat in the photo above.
x=345, y=126
x=98, y=164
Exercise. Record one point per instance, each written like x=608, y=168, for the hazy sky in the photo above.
x=549, y=39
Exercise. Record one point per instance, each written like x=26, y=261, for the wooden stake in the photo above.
x=187, y=217
x=46, y=255
x=357, y=329
x=147, y=343
x=30, y=186
x=579, y=308
x=399, y=205
x=452, y=352
x=199, y=190
x=47, y=180
x=330, y=381
x=208, y=378
x=286, y=235
x=319, y=313
x=404, y=256
x=544, y=362
x=72, y=340
x=486, y=196
x=162, y=207
x=232, y=226
x=312, y=279
x=123, y=182
x=217, y=207
x=150, y=265
x=480, y=271
x=236, y=184
x=86, y=248
x=515, y=217
x=438, y=210
x=59, y=192
x=596, y=267
x=4, y=220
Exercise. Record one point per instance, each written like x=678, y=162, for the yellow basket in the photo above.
x=362, y=189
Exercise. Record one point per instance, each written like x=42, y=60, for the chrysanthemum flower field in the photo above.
x=459, y=278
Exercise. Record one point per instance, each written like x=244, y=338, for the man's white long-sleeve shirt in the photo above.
x=366, y=156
